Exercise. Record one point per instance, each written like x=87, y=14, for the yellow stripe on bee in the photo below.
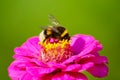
x=64, y=33
x=49, y=32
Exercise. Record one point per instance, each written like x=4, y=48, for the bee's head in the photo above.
x=48, y=31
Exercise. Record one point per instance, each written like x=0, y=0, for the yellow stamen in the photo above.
x=56, y=52
x=49, y=45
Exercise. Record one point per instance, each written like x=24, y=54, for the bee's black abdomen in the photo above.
x=61, y=30
x=66, y=37
x=56, y=32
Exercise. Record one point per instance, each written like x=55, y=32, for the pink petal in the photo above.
x=92, y=58
x=38, y=63
x=80, y=67
x=56, y=65
x=39, y=71
x=99, y=70
x=21, y=52
x=18, y=68
x=69, y=76
x=76, y=58
x=84, y=44
x=74, y=68
x=46, y=77
x=15, y=72
x=86, y=66
x=71, y=59
x=98, y=59
x=30, y=49
x=77, y=44
x=26, y=76
x=90, y=48
x=32, y=44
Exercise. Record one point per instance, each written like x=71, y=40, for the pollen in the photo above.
x=55, y=51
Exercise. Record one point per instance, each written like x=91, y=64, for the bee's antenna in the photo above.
x=43, y=27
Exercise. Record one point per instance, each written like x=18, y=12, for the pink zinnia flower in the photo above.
x=54, y=55
x=63, y=60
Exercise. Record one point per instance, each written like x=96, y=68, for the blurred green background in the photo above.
x=20, y=19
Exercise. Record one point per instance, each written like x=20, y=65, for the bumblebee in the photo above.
x=55, y=30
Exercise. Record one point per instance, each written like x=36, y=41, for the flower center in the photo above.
x=53, y=51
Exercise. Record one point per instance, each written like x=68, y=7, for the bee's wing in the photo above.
x=53, y=21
